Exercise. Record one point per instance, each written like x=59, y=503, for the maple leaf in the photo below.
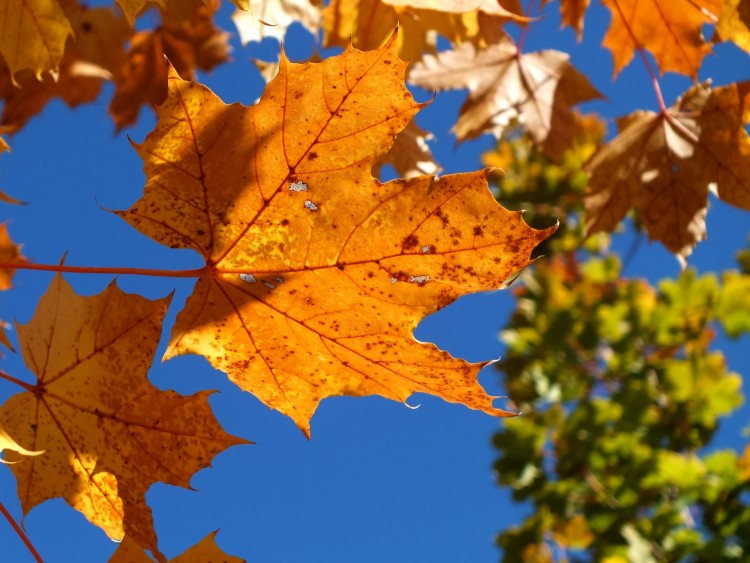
x=318, y=273
x=671, y=30
x=665, y=164
x=410, y=155
x=33, y=35
x=734, y=23
x=537, y=89
x=369, y=24
x=95, y=54
x=108, y=434
x=10, y=252
x=187, y=37
x=272, y=18
x=572, y=12
x=5, y=198
x=205, y=551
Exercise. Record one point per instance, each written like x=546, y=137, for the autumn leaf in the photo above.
x=665, y=164
x=536, y=89
x=572, y=12
x=10, y=252
x=734, y=23
x=205, y=551
x=8, y=443
x=187, y=37
x=410, y=155
x=368, y=24
x=108, y=434
x=318, y=273
x=133, y=8
x=33, y=35
x=671, y=30
x=96, y=53
x=272, y=18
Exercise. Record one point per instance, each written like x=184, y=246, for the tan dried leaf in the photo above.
x=665, y=165
x=278, y=15
x=536, y=89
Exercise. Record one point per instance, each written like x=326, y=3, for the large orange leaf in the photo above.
x=318, y=272
x=536, y=89
x=106, y=432
x=33, y=35
x=665, y=164
x=670, y=29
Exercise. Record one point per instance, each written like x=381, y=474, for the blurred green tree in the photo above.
x=622, y=390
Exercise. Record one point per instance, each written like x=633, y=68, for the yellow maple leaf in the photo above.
x=734, y=23
x=316, y=273
x=368, y=24
x=97, y=52
x=572, y=12
x=205, y=551
x=670, y=29
x=536, y=89
x=107, y=433
x=33, y=35
x=665, y=164
x=133, y=8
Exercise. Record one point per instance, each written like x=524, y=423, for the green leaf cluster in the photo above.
x=622, y=390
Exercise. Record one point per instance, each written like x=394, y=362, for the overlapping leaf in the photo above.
x=537, y=89
x=271, y=18
x=665, y=164
x=369, y=23
x=318, y=273
x=734, y=23
x=670, y=29
x=96, y=53
x=33, y=35
x=410, y=155
x=187, y=37
x=106, y=432
x=205, y=551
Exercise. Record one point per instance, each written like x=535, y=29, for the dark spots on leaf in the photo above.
x=285, y=222
x=370, y=274
x=341, y=267
x=387, y=62
x=312, y=156
x=478, y=231
x=410, y=242
x=200, y=232
x=86, y=26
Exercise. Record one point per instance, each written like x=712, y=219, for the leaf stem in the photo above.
x=12, y=379
x=21, y=533
x=195, y=273
x=525, y=30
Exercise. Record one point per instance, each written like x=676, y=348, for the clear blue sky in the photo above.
x=378, y=481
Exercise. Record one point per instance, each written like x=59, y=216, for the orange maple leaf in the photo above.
x=537, y=89
x=106, y=432
x=205, y=551
x=317, y=273
x=33, y=35
x=670, y=29
x=187, y=37
x=665, y=164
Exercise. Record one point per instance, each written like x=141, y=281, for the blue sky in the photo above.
x=378, y=481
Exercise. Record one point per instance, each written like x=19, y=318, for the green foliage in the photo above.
x=622, y=390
